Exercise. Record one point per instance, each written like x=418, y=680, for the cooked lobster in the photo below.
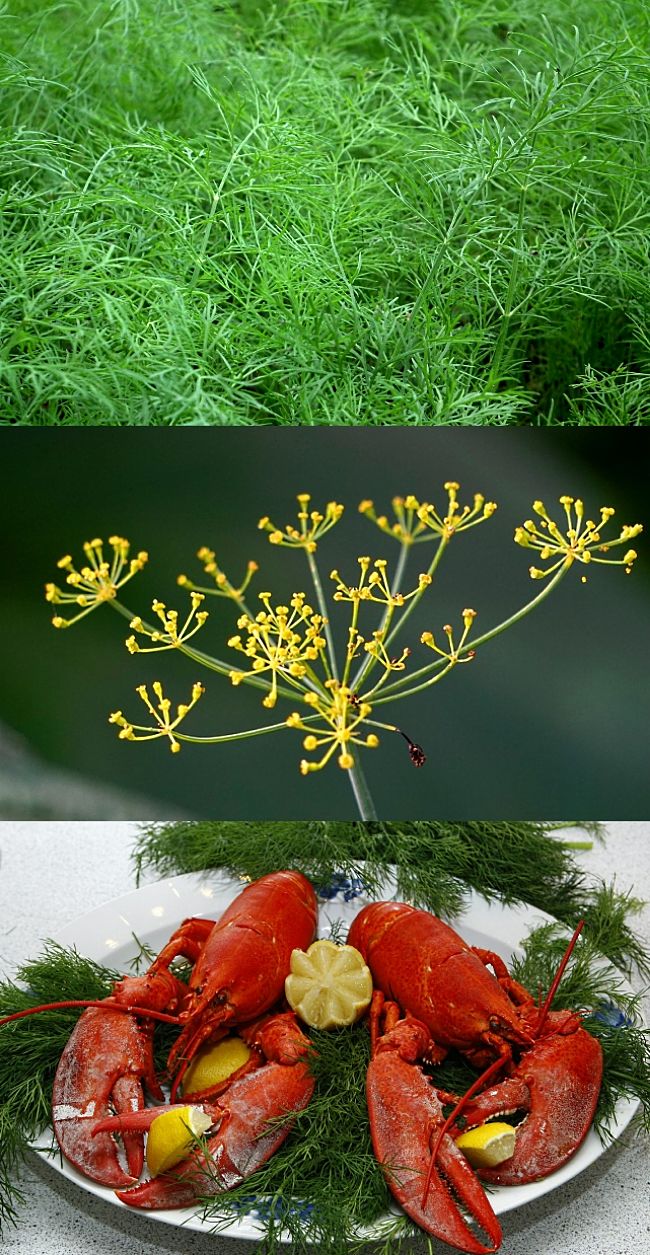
x=435, y=992
x=239, y=967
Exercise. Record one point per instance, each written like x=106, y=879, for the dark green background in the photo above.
x=551, y=720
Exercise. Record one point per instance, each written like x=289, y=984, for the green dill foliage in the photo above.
x=324, y=212
x=435, y=862
x=595, y=986
x=31, y=1049
x=324, y=1182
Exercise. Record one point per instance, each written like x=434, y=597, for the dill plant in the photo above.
x=289, y=651
x=324, y=212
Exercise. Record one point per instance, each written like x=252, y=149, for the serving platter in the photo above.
x=113, y=933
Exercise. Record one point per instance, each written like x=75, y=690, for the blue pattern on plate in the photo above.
x=611, y=1015
x=340, y=886
x=263, y=1209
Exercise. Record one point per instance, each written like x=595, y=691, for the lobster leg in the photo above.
x=249, y=1131
x=406, y=1117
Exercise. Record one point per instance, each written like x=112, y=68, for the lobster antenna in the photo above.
x=103, y=1002
x=557, y=978
x=480, y=1081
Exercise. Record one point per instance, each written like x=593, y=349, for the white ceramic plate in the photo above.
x=151, y=914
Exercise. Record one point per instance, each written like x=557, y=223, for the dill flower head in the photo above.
x=97, y=581
x=337, y=718
x=164, y=724
x=420, y=520
x=280, y=640
x=171, y=636
x=581, y=542
x=374, y=585
x=222, y=587
x=312, y=524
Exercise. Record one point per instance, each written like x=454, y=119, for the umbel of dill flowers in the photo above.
x=335, y=691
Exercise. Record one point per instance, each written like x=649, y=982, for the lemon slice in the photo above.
x=214, y=1064
x=329, y=986
x=171, y=1137
x=488, y=1145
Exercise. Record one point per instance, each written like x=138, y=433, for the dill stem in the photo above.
x=510, y=294
x=433, y=566
x=395, y=690
x=237, y=736
x=362, y=795
x=322, y=606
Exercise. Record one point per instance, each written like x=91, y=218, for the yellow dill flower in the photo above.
x=451, y=653
x=377, y=649
x=282, y=640
x=96, y=582
x=417, y=521
x=341, y=714
x=171, y=635
x=581, y=542
x=374, y=585
x=223, y=586
x=161, y=714
x=312, y=524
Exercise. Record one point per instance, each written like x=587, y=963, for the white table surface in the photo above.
x=52, y=872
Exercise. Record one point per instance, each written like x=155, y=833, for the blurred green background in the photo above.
x=551, y=719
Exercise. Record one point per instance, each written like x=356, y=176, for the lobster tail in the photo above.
x=405, y=1119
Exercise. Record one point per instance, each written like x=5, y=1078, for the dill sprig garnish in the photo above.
x=31, y=1049
x=592, y=985
x=435, y=862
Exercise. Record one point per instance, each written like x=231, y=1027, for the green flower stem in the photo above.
x=237, y=736
x=394, y=691
x=322, y=606
x=362, y=795
x=444, y=541
x=353, y=627
x=366, y=668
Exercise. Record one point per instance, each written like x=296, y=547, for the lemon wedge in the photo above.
x=488, y=1145
x=171, y=1137
x=214, y=1064
x=329, y=985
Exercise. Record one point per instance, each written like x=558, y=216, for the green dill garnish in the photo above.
x=436, y=862
x=30, y=1050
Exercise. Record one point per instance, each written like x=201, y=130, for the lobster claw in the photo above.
x=405, y=1119
x=249, y=1130
x=103, y=1065
x=562, y=1073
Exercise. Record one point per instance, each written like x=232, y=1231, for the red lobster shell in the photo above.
x=451, y=999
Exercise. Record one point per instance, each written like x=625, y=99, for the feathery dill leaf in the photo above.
x=591, y=984
x=435, y=862
x=31, y=1049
